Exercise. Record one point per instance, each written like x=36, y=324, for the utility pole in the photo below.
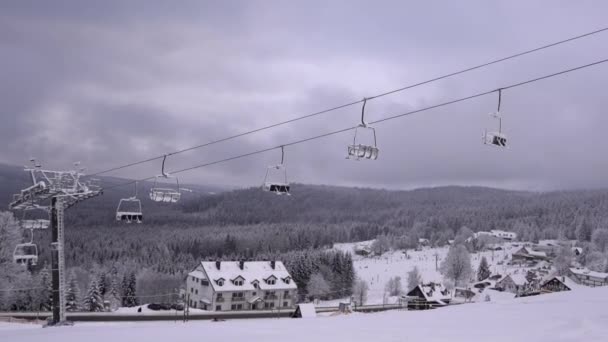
x=64, y=189
x=436, y=261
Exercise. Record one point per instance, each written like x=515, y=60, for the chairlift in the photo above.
x=166, y=195
x=497, y=139
x=29, y=222
x=129, y=209
x=26, y=253
x=360, y=150
x=276, y=178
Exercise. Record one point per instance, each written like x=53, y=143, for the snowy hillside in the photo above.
x=376, y=271
x=566, y=316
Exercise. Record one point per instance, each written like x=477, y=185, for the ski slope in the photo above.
x=567, y=316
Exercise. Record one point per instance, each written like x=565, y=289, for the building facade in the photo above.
x=240, y=285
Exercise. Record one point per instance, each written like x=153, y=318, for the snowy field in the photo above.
x=376, y=271
x=567, y=316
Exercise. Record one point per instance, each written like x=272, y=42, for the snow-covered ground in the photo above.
x=376, y=271
x=566, y=316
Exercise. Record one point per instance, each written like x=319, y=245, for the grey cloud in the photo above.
x=109, y=82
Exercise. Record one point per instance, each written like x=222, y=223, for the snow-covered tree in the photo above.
x=393, y=287
x=44, y=300
x=563, y=260
x=72, y=296
x=129, y=286
x=317, y=286
x=381, y=245
x=600, y=240
x=93, y=301
x=483, y=272
x=457, y=264
x=413, y=278
x=102, y=283
x=463, y=234
x=584, y=231
x=360, y=292
x=596, y=261
x=11, y=274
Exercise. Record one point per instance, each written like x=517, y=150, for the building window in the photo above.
x=255, y=285
x=237, y=295
x=238, y=282
x=204, y=282
x=220, y=282
x=254, y=293
x=192, y=290
x=218, y=308
x=194, y=304
x=269, y=305
x=271, y=281
x=286, y=294
x=196, y=291
x=193, y=278
x=284, y=304
x=286, y=280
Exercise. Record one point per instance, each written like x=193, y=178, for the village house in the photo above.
x=527, y=255
x=428, y=296
x=240, y=285
x=558, y=284
x=514, y=283
x=509, y=236
x=587, y=277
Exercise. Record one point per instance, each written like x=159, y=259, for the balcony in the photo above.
x=219, y=299
x=238, y=299
x=270, y=297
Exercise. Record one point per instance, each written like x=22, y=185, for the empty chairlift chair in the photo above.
x=165, y=194
x=497, y=139
x=129, y=209
x=359, y=150
x=26, y=253
x=29, y=219
x=275, y=180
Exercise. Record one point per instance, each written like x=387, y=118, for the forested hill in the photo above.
x=433, y=210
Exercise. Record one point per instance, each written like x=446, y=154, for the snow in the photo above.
x=564, y=316
x=587, y=272
x=376, y=271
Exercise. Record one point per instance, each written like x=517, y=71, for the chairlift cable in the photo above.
x=462, y=99
x=462, y=71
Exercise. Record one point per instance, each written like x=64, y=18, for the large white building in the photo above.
x=240, y=285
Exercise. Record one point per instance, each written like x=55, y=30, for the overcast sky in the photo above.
x=110, y=82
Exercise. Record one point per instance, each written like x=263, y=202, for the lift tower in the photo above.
x=63, y=189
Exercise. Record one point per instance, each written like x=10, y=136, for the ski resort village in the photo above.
x=303, y=171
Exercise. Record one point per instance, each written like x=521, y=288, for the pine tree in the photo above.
x=125, y=290
x=483, y=272
x=72, y=294
x=93, y=301
x=130, y=295
x=413, y=278
x=114, y=295
x=45, y=294
x=102, y=283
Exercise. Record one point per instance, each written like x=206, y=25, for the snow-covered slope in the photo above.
x=376, y=271
x=567, y=316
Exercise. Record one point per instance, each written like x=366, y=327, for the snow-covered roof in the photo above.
x=252, y=271
x=564, y=280
x=537, y=253
x=529, y=251
x=307, y=310
x=587, y=272
x=518, y=279
x=435, y=292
